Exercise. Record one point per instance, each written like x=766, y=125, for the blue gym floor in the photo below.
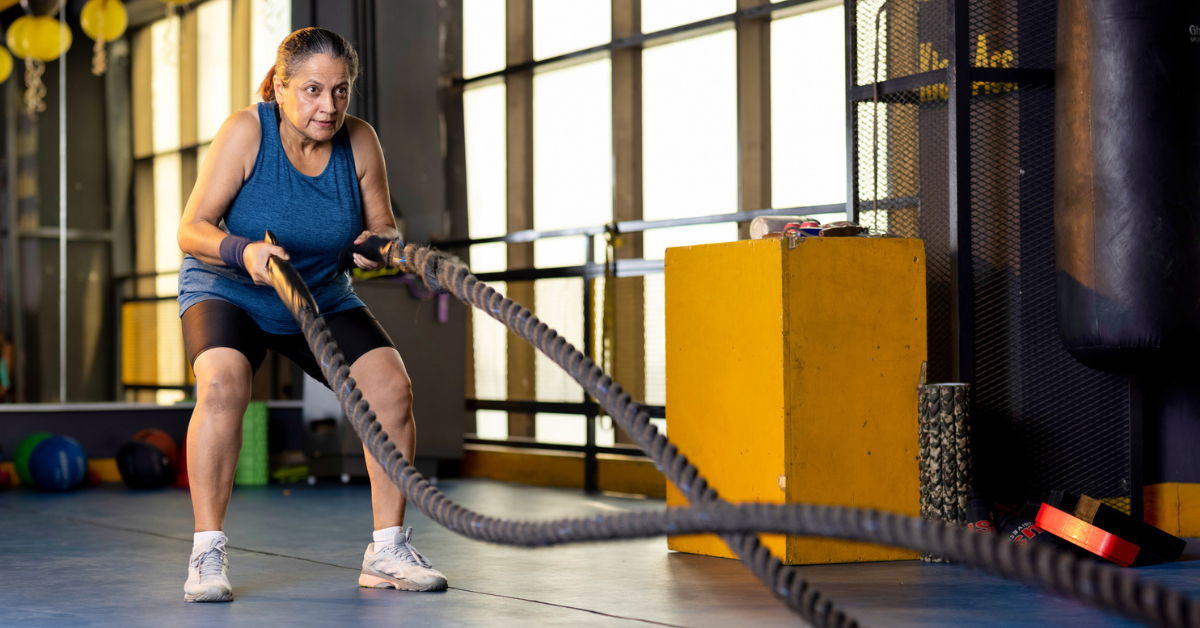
x=112, y=557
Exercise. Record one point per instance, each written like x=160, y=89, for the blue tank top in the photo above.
x=313, y=218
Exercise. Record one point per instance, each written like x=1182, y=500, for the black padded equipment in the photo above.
x=1127, y=181
x=143, y=465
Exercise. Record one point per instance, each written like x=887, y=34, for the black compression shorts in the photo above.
x=214, y=323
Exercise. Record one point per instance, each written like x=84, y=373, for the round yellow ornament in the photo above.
x=17, y=36
x=104, y=17
x=48, y=39
x=6, y=64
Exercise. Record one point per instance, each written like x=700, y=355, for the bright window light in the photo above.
x=808, y=109
x=660, y=14
x=484, y=127
x=564, y=429
x=491, y=424
x=690, y=139
x=484, y=120
x=270, y=24
x=168, y=207
x=214, y=66
x=164, y=84
x=560, y=27
x=572, y=152
x=483, y=36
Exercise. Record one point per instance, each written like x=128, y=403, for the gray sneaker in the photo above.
x=208, y=574
x=400, y=566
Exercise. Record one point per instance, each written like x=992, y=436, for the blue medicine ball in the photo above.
x=58, y=464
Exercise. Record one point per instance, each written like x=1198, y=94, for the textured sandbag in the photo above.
x=1127, y=186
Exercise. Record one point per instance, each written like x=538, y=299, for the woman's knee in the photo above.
x=223, y=381
x=399, y=396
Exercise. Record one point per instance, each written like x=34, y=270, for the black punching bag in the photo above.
x=1127, y=181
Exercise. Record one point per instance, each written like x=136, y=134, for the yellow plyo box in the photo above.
x=792, y=374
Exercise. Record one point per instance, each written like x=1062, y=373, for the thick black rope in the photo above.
x=1087, y=580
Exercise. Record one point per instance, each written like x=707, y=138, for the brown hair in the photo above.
x=298, y=47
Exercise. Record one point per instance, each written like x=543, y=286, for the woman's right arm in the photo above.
x=227, y=165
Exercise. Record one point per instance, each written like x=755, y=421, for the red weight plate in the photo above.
x=1087, y=536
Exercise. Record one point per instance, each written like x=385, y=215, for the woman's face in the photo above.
x=315, y=101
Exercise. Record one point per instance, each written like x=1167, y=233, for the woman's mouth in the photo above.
x=324, y=124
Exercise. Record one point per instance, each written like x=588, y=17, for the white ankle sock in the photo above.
x=385, y=537
x=200, y=538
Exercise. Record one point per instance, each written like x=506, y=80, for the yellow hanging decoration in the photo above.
x=17, y=36
x=35, y=90
x=6, y=64
x=37, y=40
x=103, y=21
x=48, y=39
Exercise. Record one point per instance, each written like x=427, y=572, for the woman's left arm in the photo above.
x=372, y=187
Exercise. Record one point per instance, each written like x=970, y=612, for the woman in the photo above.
x=298, y=165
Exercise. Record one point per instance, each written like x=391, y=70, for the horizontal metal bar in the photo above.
x=624, y=268
x=637, y=226
x=78, y=235
x=894, y=202
x=122, y=406
x=556, y=407
x=1020, y=76
x=584, y=408
x=173, y=297
x=526, y=443
x=641, y=39
x=134, y=277
x=896, y=85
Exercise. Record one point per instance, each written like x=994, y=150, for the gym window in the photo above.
x=675, y=100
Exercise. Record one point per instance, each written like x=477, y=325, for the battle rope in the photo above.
x=1083, y=579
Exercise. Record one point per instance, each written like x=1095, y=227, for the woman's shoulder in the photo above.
x=243, y=123
x=237, y=141
x=363, y=142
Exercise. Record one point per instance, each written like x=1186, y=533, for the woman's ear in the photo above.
x=278, y=87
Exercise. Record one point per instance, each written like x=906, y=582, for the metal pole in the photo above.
x=1138, y=398
x=851, y=81
x=62, y=214
x=962, y=318
x=590, y=465
x=12, y=128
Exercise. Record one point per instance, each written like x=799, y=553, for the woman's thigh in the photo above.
x=217, y=324
x=356, y=332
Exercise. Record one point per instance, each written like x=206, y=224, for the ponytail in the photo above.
x=267, y=89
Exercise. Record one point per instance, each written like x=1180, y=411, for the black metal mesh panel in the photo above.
x=1046, y=421
x=1012, y=33
x=913, y=34
x=1043, y=420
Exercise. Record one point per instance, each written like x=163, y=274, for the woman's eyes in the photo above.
x=341, y=91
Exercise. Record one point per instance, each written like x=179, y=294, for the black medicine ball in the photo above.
x=143, y=465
